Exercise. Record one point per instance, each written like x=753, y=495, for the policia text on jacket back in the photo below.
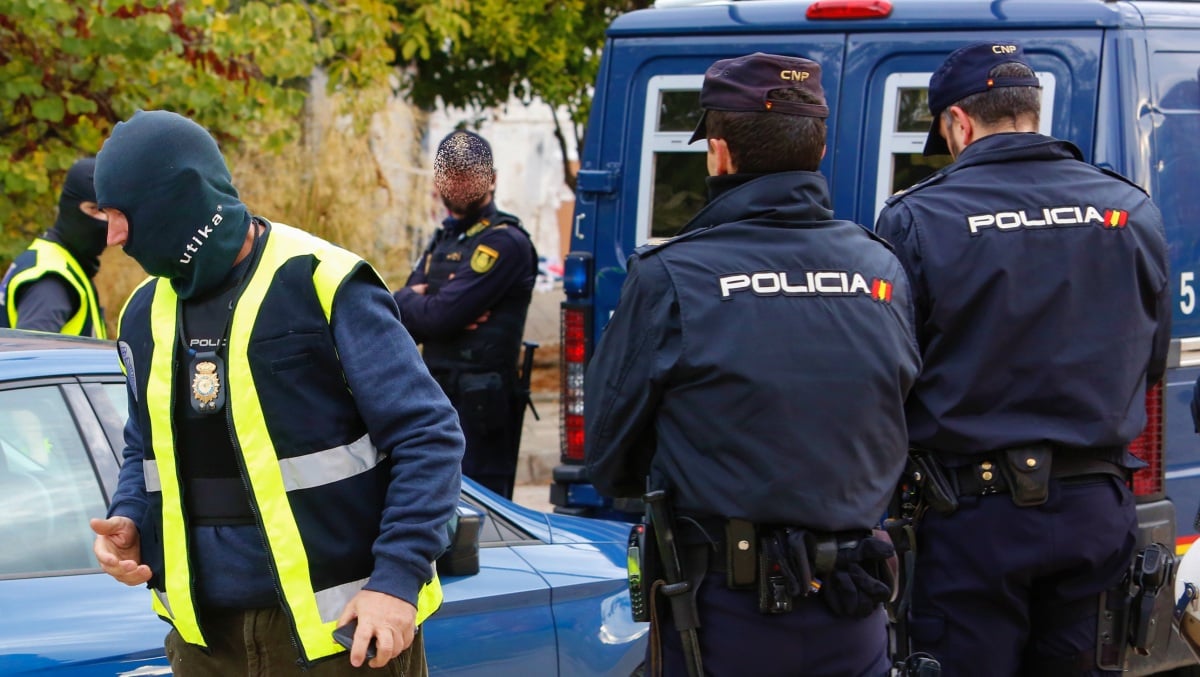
x=274, y=487
x=755, y=369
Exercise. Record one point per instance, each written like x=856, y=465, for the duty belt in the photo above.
x=984, y=477
x=711, y=532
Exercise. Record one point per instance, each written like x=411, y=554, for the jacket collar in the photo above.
x=787, y=199
x=1015, y=146
x=454, y=226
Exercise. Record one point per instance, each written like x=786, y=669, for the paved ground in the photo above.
x=539, y=453
x=539, y=439
x=536, y=496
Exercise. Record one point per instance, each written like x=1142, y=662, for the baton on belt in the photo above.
x=525, y=382
x=524, y=395
x=677, y=589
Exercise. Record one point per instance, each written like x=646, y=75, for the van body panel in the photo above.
x=788, y=16
x=1066, y=59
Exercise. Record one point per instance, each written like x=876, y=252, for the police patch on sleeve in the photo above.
x=483, y=259
x=127, y=361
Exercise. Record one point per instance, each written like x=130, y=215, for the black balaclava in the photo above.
x=167, y=176
x=85, y=237
x=463, y=173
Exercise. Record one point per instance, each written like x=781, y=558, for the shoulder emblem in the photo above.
x=477, y=228
x=652, y=245
x=927, y=181
x=483, y=258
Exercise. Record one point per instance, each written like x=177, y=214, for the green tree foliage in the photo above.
x=71, y=69
x=479, y=52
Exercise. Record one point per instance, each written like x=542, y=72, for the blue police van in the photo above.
x=1121, y=80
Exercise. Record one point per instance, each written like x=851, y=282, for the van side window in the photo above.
x=676, y=189
x=906, y=121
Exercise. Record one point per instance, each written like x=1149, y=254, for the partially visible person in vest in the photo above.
x=290, y=466
x=49, y=287
x=466, y=301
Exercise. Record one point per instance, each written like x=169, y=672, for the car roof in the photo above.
x=34, y=354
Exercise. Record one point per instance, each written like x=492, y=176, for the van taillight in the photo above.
x=574, y=335
x=849, y=9
x=1149, y=447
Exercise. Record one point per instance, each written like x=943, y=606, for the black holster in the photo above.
x=1138, y=612
x=936, y=489
x=854, y=577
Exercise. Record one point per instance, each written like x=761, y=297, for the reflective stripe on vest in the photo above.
x=308, y=471
x=54, y=258
x=314, y=612
x=177, y=576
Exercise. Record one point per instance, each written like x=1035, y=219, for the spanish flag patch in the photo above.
x=1115, y=218
x=881, y=290
x=483, y=259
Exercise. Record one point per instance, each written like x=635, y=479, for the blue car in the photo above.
x=527, y=593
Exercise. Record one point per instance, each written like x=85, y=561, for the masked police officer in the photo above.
x=289, y=465
x=756, y=368
x=1042, y=312
x=49, y=287
x=466, y=301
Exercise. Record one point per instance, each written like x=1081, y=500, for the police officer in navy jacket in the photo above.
x=1042, y=311
x=466, y=302
x=756, y=368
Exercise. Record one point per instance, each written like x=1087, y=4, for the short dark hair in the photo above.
x=1004, y=103
x=763, y=142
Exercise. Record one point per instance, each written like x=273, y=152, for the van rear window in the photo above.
x=906, y=122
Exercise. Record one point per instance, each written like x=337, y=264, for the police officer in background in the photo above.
x=1041, y=292
x=466, y=301
x=756, y=368
x=49, y=287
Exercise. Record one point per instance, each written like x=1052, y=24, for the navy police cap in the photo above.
x=743, y=84
x=965, y=72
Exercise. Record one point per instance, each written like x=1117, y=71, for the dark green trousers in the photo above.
x=259, y=643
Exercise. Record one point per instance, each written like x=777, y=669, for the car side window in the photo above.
x=496, y=530
x=48, y=488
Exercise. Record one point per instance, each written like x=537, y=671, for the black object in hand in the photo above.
x=345, y=636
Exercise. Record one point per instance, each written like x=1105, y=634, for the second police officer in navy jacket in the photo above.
x=756, y=368
x=466, y=302
x=1040, y=284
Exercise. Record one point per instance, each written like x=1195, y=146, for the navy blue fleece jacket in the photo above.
x=407, y=416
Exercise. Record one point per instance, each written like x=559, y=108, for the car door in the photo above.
x=497, y=622
x=59, y=611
